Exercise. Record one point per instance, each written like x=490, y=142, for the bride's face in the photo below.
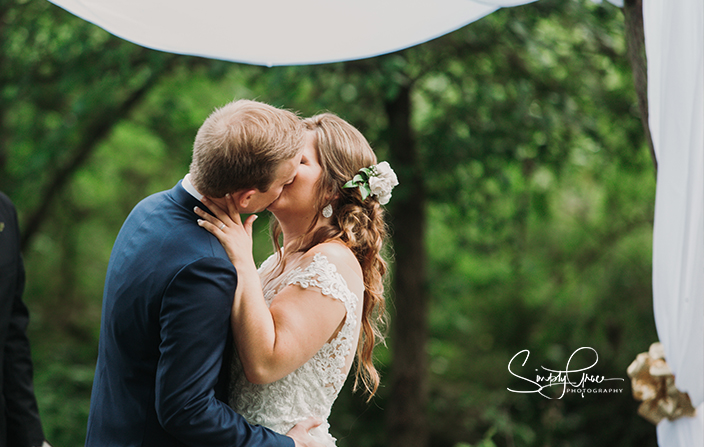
x=298, y=198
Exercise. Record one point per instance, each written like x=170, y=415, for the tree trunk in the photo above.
x=406, y=413
x=635, y=41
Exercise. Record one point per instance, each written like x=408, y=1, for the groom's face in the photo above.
x=285, y=174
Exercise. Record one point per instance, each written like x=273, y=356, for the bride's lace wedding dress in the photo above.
x=311, y=389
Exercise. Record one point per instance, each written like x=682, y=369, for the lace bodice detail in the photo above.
x=311, y=389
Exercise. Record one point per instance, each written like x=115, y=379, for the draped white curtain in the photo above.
x=275, y=32
x=674, y=38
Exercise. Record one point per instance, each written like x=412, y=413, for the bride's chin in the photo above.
x=282, y=207
x=277, y=212
x=274, y=205
x=273, y=208
x=285, y=217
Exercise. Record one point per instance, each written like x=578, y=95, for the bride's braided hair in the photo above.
x=359, y=224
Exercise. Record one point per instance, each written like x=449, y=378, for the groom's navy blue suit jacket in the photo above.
x=165, y=328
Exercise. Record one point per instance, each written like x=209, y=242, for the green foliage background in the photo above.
x=540, y=193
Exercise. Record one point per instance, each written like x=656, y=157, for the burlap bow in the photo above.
x=654, y=384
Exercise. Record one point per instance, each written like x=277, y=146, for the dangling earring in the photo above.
x=327, y=211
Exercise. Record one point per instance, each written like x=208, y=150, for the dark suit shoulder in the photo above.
x=9, y=232
x=8, y=213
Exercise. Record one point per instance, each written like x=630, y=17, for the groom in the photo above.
x=160, y=378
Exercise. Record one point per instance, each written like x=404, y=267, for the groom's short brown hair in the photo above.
x=241, y=145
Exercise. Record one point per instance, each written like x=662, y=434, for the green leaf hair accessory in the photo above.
x=377, y=181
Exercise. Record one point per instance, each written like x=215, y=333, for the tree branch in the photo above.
x=97, y=130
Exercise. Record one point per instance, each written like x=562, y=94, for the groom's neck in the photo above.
x=191, y=188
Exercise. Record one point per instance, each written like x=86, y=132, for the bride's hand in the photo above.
x=227, y=226
x=300, y=434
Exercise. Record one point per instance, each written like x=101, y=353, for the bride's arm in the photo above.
x=274, y=341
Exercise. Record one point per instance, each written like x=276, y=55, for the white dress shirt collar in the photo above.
x=188, y=186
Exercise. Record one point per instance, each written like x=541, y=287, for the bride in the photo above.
x=314, y=306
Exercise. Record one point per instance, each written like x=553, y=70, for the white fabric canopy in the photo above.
x=275, y=32
x=674, y=32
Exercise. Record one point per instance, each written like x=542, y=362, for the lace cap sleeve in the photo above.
x=322, y=274
x=268, y=264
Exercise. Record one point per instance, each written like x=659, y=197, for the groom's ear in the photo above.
x=242, y=198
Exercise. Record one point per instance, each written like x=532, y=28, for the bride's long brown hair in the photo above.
x=359, y=224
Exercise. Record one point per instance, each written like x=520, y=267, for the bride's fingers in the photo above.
x=228, y=213
x=219, y=212
x=309, y=424
x=214, y=221
x=216, y=230
x=210, y=223
x=249, y=223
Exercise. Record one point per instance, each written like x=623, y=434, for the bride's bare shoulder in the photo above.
x=337, y=253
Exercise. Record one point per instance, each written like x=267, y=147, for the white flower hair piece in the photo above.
x=377, y=181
